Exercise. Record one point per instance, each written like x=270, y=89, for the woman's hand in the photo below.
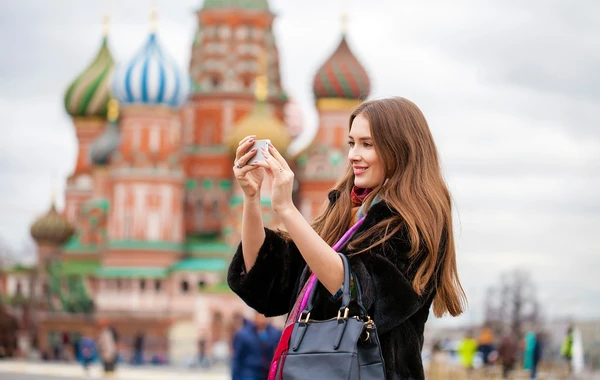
x=282, y=180
x=249, y=177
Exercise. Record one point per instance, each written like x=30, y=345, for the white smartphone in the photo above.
x=258, y=144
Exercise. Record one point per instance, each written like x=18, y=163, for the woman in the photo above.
x=107, y=346
x=402, y=254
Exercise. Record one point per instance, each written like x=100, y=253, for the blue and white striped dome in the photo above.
x=152, y=77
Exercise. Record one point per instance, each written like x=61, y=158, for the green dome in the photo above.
x=89, y=93
x=248, y=4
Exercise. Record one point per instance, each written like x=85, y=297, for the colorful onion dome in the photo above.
x=151, y=77
x=52, y=228
x=264, y=124
x=342, y=76
x=247, y=4
x=88, y=94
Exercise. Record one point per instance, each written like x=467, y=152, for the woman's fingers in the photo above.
x=274, y=165
x=243, y=146
x=278, y=157
x=265, y=165
x=240, y=173
x=243, y=161
x=246, y=139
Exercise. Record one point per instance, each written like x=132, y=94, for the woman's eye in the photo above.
x=368, y=145
x=351, y=143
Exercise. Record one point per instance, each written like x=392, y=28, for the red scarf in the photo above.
x=358, y=195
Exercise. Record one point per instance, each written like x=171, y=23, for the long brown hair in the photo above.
x=415, y=189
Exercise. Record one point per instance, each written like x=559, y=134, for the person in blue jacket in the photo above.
x=253, y=348
x=87, y=353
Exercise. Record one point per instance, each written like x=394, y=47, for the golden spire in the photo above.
x=153, y=20
x=261, y=83
x=53, y=189
x=344, y=23
x=113, y=110
x=105, y=25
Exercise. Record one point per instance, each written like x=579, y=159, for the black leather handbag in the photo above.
x=341, y=348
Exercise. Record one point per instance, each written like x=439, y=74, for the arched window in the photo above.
x=215, y=208
x=185, y=286
x=215, y=81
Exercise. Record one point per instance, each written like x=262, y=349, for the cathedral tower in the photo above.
x=86, y=101
x=230, y=39
x=338, y=86
x=145, y=224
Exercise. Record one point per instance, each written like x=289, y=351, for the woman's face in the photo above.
x=368, y=167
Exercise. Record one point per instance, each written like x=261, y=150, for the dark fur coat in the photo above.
x=384, y=274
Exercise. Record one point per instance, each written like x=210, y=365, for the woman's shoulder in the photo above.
x=398, y=242
x=379, y=212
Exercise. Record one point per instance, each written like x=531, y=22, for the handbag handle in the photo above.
x=343, y=312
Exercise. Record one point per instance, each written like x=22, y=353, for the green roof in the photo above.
x=150, y=245
x=196, y=247
x=200, y=265
x=221, y=287
x=247, y=4
x=79, y=267
x=74, y=245
x=101, y=203
x=131, y=272
x=19, y=269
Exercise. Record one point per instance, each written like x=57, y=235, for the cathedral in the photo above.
x=152, y=214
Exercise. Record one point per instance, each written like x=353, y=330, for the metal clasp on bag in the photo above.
x=369, y=324
x=306, y=320
x=345, y=314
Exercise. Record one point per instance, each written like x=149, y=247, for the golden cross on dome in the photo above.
x=53, y=188
x=344, y=23
x=153, y=19
x=105, y=24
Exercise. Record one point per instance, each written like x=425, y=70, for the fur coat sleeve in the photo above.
x=270, y=285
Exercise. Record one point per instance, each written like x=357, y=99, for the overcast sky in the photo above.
x=510, y=89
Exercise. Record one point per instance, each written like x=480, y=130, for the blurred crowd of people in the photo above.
x=102, y=348
x=484, y=352
x=87, y=350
